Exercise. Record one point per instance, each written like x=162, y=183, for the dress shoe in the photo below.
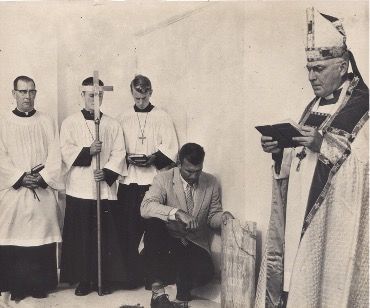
x=83, y=289
x=161, y=301
x=17, y=296
x=183, y=296
x=183, y=287
x=179, y=304
x=39, y=294
x=105, y=290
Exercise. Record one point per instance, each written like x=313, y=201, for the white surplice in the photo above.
x=24, y=143
x=160, y=135
x=77, y=133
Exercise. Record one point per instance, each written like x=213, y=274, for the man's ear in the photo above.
x=13, y=93
x=343, y=68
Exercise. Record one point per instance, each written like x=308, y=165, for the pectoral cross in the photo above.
x=142, y=138
x=301, y=155
x=142, y=129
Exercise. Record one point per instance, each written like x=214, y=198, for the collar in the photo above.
x=185, y=184
x=89, y=116
x=22, y=114
x=330, y=99
x=148, y=108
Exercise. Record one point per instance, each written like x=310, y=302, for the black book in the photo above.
x=37, y=169
x=282, y=132
x=139, y=158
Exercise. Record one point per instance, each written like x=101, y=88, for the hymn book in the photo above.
x=282, y=133
x=139, y=158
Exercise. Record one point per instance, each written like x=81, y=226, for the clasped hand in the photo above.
x=31, y=181
x=189, y=221
x=149, y=161
x=226, y=216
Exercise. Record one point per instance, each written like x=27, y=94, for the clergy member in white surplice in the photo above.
x=149, y=132
x=79, y=149
x=317, y=244
x=30, y=164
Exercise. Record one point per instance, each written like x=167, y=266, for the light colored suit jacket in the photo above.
x=167, y=192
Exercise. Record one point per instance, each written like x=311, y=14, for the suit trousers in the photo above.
x=191, y=265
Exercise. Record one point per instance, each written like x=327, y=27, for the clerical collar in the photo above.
x=330, y=99
x=89, y=116
x=148, y=108
x=22, y=114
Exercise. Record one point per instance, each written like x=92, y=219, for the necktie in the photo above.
x=190, y=206
x=189, y=198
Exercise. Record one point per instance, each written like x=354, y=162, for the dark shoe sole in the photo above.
x=17, y=297
x=39, y=295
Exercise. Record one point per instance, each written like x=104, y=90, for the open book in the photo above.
x=282, y=132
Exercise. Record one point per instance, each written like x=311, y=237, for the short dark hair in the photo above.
x=141, y=84
x=23, y=78
x=89, y=81
x=193, y=153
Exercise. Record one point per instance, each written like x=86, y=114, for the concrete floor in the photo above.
x=206, y=297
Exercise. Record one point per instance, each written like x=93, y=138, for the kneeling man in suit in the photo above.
x=180, y=206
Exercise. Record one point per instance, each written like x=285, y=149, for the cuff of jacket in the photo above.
x=84, y=158
x=161, y=161
x=110, y=176
x=18, y=184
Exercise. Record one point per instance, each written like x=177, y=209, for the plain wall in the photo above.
x=28, y=47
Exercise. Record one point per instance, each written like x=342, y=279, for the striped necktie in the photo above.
x=189, y=198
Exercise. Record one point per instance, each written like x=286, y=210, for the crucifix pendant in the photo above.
x=301, y=155
x=142, y=139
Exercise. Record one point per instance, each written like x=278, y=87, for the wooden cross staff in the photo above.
x=96, y=88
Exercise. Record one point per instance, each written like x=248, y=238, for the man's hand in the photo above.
x=30, y=181
x=226, y=216
x=95, y=147
x=149, y=161
x=269, y=146
x=189, y=221
x=99, y=175
x=38, y=178
x=311, y=139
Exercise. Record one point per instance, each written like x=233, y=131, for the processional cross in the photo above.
x=96, y=88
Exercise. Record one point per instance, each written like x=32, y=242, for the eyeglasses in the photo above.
x=25, y=92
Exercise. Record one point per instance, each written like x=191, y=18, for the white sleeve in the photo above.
x=169, y=144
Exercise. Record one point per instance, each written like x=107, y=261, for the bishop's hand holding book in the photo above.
x=288, y=135
x=278, y=136
x=283, y=133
